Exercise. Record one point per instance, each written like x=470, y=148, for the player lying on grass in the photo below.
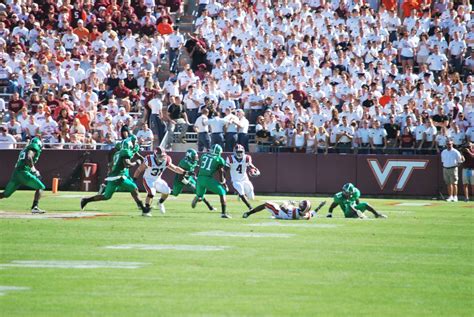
x=209, y=164
x=25, y=174
x=152, y=168
x=188, y=164
x=348, y=200
x=289, y=210
x=119, y=178
x=239, y=164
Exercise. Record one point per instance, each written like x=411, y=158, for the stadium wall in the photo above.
x=281, y=172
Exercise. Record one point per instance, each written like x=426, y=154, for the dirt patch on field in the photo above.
x=56, y=215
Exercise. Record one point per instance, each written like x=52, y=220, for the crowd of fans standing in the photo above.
x=305, y=76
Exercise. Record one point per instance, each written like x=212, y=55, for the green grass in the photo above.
x=419, y=262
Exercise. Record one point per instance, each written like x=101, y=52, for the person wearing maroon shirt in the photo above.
x=135, y=24
x=15, y=104
x=299, y=95
x=121, y=91
x=468, y=170
x=52, y=102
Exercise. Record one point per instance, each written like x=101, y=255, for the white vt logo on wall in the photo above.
x=407, y=167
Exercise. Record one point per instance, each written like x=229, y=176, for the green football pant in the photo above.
x=120, y=185
x=205, y=183
x=178, y=186
x=349, y=213
x=22, y=178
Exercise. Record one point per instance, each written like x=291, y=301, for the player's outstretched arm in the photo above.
x=176, y=169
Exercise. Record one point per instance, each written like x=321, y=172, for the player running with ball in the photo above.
x=348, y=200
x=152, y=168
x=209, y=164
x=26, y=174
x=238, y=164
x=119, y=178
x=188, y=164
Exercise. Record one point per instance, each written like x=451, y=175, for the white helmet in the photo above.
x=239, y=151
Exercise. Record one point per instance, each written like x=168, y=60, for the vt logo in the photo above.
x=407, y=167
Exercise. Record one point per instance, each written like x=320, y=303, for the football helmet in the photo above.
x=192, y=155
x=37, y=141
x=304, y=206
x=216, y=149
x=348, y=189
x=159, y=154
x=239, y=151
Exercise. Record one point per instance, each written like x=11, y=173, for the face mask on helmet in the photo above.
x=239, y=151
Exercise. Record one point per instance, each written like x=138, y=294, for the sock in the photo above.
x=35, y=204
x=147, y=205
x=161, y=200
x=223, y=209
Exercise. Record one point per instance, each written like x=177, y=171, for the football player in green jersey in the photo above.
x=119, y=178
x=209, y=164
x=26, y=174
x=188, y=164
x=348, y=200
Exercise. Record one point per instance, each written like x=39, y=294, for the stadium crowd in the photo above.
x=303, y=76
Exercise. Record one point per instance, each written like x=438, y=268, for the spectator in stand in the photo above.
x=242, y=129
x=378, y=138
x=7, y=141
x=30, y=128
x=344, y=135
x=145, y=137
x=429, y=135
x=201, y=127
x=176, y=117
x=216, y=127
x=15, y=104
x=230, y=130
x=14, y=128
x=393, y=133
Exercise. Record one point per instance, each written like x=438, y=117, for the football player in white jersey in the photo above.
x=289, y=210
x=239, y=163
x=152, y=167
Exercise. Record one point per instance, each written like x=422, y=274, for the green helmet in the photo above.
x=216, y=149
x=133, y=139
x=348, y=188
x=192, y=155
x=36, y=141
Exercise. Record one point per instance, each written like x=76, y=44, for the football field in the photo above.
x=110, y=261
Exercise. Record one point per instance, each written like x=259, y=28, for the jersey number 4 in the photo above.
x=239, y=169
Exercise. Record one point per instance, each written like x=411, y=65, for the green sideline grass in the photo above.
x=418, y=262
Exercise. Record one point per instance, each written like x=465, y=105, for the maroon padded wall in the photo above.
x=280, y=172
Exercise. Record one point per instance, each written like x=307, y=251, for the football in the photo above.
x=254, y=172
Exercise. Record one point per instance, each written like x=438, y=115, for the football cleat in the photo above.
x=195, y=201
x=381, y=216
x=146, y=214
x=226, y=216
x=83, y=203
x=162, y=208
x=37, y=210
x=212, y=209
x=245, y=215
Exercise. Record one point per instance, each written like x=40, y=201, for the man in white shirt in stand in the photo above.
x=451, y=159
x=7, y=141
x=201, y=126
x=216, y=125
x=242, y=129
